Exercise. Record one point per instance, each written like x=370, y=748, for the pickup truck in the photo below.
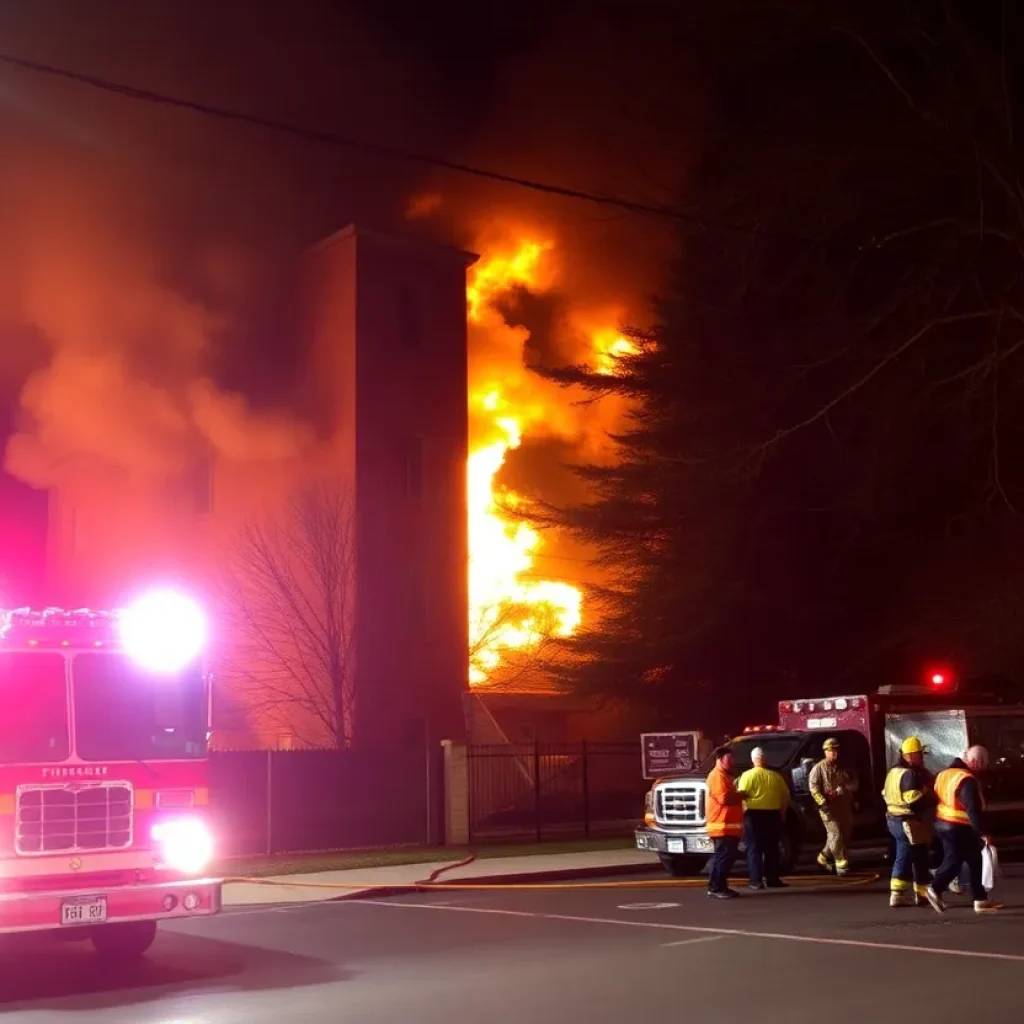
x=675, y=825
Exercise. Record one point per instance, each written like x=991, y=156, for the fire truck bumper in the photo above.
x=66, y=910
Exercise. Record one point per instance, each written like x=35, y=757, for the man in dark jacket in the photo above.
x=960, y=826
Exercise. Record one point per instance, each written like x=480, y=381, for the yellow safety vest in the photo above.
x=897, y=803
x=947, y=785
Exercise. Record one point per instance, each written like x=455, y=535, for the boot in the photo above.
x=986, y=906
x=935, y=900
x=899, y=898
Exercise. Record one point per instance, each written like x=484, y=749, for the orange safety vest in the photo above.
x=947, y=786
x=722, y=819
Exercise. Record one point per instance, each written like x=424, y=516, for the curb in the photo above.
x=558, y=875
x=508, y=878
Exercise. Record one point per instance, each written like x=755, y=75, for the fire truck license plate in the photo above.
x=92, y=910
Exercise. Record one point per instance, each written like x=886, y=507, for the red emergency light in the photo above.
x=747, y=729
x=938, y=677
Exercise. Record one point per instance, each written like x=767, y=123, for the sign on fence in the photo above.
x=663, y=753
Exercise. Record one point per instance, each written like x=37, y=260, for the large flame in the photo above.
x=513, y=609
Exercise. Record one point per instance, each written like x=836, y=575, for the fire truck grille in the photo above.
x=680, y=803
x=58, y=819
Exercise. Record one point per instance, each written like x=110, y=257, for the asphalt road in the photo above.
x=505, y=957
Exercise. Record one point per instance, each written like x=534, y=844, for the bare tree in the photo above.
x=289, y=607
x=502, y=666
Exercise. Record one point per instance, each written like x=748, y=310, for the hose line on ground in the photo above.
x=801, y=882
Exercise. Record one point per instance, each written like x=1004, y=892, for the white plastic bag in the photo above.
x=990, y=873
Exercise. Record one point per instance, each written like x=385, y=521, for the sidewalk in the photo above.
x=293, y=888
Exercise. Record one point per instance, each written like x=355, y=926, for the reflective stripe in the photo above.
x=719, y=829
x=947, y=788
x=897, y=802
x=898, y=885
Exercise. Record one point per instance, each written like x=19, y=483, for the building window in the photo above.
x=412, y=467
x=202, y=488
x=410, y=327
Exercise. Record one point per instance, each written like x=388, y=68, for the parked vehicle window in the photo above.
x=1002, y=736
x=778, y=750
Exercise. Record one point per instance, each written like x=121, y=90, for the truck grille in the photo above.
x=72, y=819
x=680, y=803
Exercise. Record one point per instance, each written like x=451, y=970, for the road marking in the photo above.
x=694, y=941
x=647, y=906
x=665, y=926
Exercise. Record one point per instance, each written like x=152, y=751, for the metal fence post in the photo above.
x=585, y=781
x=428, y=795
x=270, y=802
x=536, y=788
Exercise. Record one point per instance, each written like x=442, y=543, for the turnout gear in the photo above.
x=903, y=790
x=908, y=800
x=832, y=789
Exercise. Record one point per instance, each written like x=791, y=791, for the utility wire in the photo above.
x=377, y=149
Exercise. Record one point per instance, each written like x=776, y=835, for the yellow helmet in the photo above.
x=911, y=745
x=830, y=744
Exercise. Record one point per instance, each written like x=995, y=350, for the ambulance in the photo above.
x=948, y=717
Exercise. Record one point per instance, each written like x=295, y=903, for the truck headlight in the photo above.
x=649, y=800
x=185, y=844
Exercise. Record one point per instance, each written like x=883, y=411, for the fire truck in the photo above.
x=104, y=736
x=870, y=729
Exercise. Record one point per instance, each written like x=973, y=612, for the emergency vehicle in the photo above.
x=104, y=729
x=870, y=729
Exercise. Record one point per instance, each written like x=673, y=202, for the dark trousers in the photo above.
x=910, y=862
x=726, y=848
x=762, y=831
x=960, y=846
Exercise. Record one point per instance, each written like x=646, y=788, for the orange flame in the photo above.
x=511, y=608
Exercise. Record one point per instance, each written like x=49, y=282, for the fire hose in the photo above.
x=804, y=883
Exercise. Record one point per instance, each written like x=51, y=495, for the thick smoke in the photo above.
x=134, y=237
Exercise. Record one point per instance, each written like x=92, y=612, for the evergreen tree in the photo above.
x=819, y=485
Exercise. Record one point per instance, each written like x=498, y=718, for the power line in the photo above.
x=378, y=149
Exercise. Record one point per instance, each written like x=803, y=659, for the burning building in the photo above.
x=386, y=324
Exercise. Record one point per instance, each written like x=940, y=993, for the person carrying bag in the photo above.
x=961, y=827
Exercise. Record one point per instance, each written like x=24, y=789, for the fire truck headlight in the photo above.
x=185, y=844
x=163, y=630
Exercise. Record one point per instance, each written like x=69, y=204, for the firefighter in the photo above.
x=724, y=818
x=909, y=802
x=765, y=804
x=961, y=828
x=832, y=789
